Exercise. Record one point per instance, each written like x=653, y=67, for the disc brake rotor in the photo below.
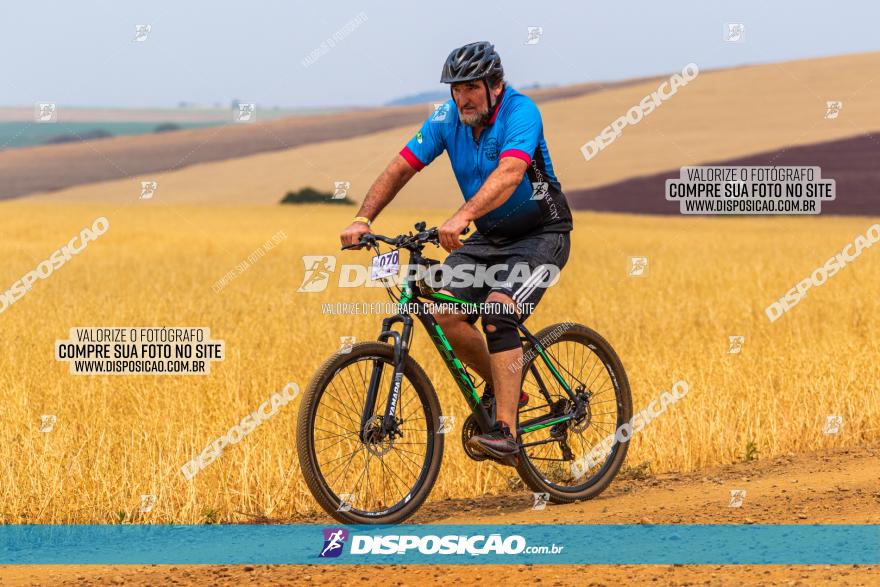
x=375, y=443
x=584, y=421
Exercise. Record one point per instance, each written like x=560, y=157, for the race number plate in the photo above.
x=385, y=265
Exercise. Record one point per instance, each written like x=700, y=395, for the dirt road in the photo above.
x=837, y=487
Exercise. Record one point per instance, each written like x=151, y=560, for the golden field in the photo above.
x=118, y=437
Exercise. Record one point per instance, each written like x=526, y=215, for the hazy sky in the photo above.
x=82, y=53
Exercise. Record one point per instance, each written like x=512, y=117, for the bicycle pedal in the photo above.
x=510, y=461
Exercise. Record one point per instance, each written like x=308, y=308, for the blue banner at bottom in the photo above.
x=441, y=544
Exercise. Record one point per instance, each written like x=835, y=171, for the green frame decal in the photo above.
x=459, y=373
x=448, y=298
x=455, y=365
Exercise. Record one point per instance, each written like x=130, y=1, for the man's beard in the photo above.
x=475, y=118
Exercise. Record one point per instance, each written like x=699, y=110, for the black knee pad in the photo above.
x=504, y=335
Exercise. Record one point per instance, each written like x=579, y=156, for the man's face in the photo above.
x=470, y=98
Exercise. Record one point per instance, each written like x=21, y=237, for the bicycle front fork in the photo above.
x=400, y=342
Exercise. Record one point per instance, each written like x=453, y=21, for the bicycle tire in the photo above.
x=527, y=471
x=318, y=486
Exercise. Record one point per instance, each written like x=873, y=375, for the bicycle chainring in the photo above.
x=470, y=429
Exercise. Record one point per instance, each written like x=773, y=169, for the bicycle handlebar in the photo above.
x=403, y=241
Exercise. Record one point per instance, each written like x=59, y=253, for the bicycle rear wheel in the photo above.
x=590, y=367
x=355, y=476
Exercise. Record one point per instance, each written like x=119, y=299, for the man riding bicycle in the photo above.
x=495, y=141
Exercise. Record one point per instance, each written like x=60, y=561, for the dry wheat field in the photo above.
x=116, y=438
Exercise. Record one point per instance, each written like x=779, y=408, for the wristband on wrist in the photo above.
x=363, y=219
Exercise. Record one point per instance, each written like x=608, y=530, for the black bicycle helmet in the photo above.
x=475, y=61
x=472, y=62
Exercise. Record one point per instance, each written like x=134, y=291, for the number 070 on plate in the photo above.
x=385, y=265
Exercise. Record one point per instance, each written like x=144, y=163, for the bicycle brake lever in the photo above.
x=436, y=237
x=366, y=241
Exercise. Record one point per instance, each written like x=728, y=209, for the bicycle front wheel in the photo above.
x=357, y=475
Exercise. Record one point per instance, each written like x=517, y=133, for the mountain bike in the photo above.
x=370, y=429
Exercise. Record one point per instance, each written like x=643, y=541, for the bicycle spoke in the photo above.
x=354, y=492
x=398, y=453
x=347, y=465
x=408, y=451
x=337, y=443
x=350, y=419
x=393, y=472
x=332, y=422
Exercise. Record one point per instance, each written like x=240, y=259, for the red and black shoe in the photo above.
x=498, y=443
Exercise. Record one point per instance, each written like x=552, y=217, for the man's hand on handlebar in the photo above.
x=352, y=235
x=357, y=237
x=450, y=232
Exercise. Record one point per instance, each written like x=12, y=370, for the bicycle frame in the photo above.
x=411, y=294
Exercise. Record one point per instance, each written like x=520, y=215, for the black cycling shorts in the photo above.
x=524, y=269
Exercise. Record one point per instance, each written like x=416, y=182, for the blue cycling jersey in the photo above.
x=515, y=130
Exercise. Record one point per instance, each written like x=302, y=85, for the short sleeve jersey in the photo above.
x=515, y=130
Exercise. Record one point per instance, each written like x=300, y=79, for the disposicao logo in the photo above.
x=334, y=540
